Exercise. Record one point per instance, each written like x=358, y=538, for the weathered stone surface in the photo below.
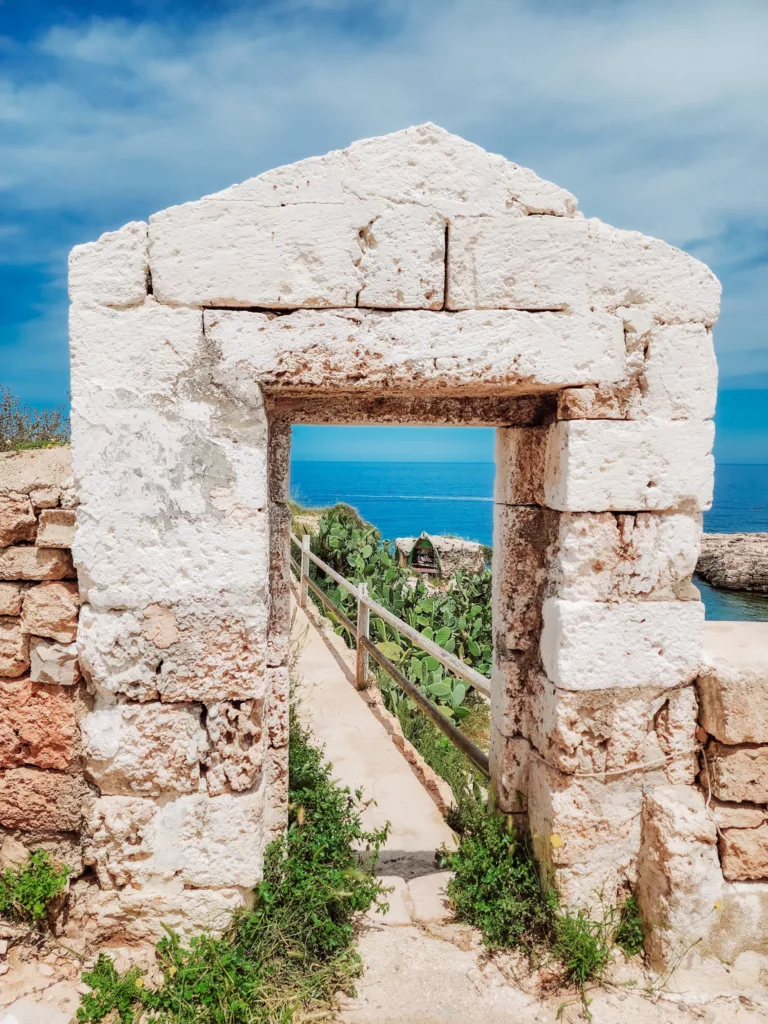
x=17, y=519
x=498, y=351
x=429, y=899
x=278, y=693
x=596, y=646
x=53, y=664
x=56, y=528
x=586, y=833
x=403, y=262
x=235, y=753
x=735, y=561
x=744, y=853
x=144, y=749
x=738, y=773
x=14, y=647
x=521, y=454
x=50, y=610
x=12, y=853
x=279, y=621
x=45, y=497
x=679, y=879
x=10, y=598
x=38, y=725
x=32, y=563
x=738, y=815
x=32, y=799
x=43, y=468
x=509, y=756
x=597, y=465
x=112, y=271
x=733, y=682
x=197, y=840
x=679, y=375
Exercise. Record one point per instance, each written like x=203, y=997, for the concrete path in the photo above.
x=363, y=755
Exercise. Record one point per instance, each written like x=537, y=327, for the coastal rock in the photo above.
x=735, y=561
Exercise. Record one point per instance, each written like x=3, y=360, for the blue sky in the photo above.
x=651, y=111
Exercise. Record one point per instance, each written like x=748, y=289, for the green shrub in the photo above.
x=26, y=892
x=629, y=932
x=294, y=950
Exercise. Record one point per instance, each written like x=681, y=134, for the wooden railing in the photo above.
x=365, y=649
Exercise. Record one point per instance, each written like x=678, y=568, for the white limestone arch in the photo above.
x=408, y=278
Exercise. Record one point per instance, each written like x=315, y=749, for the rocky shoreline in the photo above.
x=735, y=561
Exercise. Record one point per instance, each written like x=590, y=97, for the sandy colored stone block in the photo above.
x=50, y=610
x=17, y=519
x=512, y=262
x=601, y=465
x=733, y=682
x=597, y=646
x=738, y=774
x=509, y=756
x=217, y=252
x=197, y=840
x=56, y=528
x=278, y=695
x=144, y=749
x=37, y=470
x=53, y=664
x=738, y=815
x=429, y=899
x=279, y=621
x=586, y=833
x=235, y=749
x=112, y=271
x=36, y=800
x=38, y=725
x=520, y=456
x=403, y=262
x=33, y=563
x=744, y=853
x=414, y=351
x=14, y=647
x=10, y=598
x=596, y=401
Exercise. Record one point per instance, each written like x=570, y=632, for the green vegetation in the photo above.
x=629, y=932
x=27, y=892
x=294, y=950
x=22, y=427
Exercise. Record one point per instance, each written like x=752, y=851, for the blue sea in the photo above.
x=404, y=498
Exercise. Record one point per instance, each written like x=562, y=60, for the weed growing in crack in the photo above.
x=26, y=892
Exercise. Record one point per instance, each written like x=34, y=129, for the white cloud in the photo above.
x=652, y=112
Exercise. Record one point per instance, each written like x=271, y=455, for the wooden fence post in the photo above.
x=363, y=629
x=303, y=588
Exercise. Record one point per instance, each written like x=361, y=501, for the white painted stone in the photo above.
x=53, y=664
x=403, y=352
x=424, y=164
x=679, y=376
x=112, y=271
x=512, y=262
x=403, y=262
x=598, y=646
x=195, y=840
x=597, y=465
x=144, y=749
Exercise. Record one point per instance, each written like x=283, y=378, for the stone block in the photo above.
x=601, y=465
x=733, y=682
x=33, y=471
x=50, y=610
x=586, y=833
x=679, y=376
x=278, y=694
x=112, y=271
x=738, y=815
x=477, y=352
x=512, y=262
x=429, y=899
x=509, y=756
x=744, y=853
x=195, y=840
x=218, y=252
x=53, y=664
x=17, y=519
x=280, y=549
x=10, y=598
x=597, y=646
x=235, y=749
x=738, y=774
x=403, y=262
x=35, y=800
x=144, y=749
x=38, y=726
x=32, y=563
x=56, y=528
x=396, y=895
x=14, y=647
x=520, y=459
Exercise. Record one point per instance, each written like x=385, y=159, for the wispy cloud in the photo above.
x=651, y=112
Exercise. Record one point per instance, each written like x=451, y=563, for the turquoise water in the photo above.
x=404, y=498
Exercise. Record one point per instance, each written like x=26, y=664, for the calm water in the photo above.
x=404, y=498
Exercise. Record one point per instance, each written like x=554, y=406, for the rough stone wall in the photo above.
x=412, y=269
x=43, y=795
